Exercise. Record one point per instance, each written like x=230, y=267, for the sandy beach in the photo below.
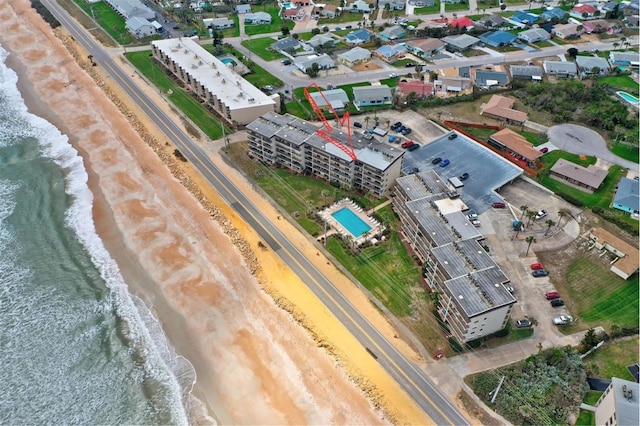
x=258, y=360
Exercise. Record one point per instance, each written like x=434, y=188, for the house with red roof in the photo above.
x=583, y=11
x=420, y=88
x=463, y=22
x=294, y=14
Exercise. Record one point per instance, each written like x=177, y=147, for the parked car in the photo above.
x=357, y=124
x=400, y=128
x=407, y=144
x=552, y=295
x=395, y=125
x=348, y=27
x=393, y=75
x=464, y=176
x=410, y=64
x=475, y=223
x=563, y=320
x=412, y=170
x=406, y=131
x=544, y=150
x=541, y=214
x=523, y=323
x=413, y=147
x=452, y=136
x=471, y=214
x=540, y=273
x=286, y=62
x=556, y=303
x=510, y=289
x=498, y=205
x=436, y=160
x=445, y=162
x=536, y=266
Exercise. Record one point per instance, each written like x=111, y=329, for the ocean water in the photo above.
x=75, y=346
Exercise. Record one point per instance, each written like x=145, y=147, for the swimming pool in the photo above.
x=351, y=222
x=628, y=97
x=288, y=6
x=228, y=61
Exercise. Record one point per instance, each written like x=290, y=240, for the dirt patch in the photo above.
x=475, y=411
x=366, y=66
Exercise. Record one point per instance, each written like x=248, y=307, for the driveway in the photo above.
x=582, y=141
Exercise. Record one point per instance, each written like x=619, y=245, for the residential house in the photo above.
x=497, y=38
x=609, y=6
x=140, y=27
x=294, y=14
x=630, y=59
x=130, y=8
x=288, y=45
x=526, y=72
x=218, y=86
x=359, y=6
x=258, y=18
x=393, y=4
x=619, y=405
x=354, y=56
x=471, y=287
x=372, y=95
x=491, y=79
x=295, y=144
x=432, y=24
x=425, y=47
x=493, y=22
x=560, y=69
x=632, y=21
x=631, y=9
x=587, y=179
x=390, y=52
x=599, y=26
x=583, y=11
x=588, y=65
x=420, y=88
x=460, y=43
x=554, y=14
x=321, y=40
x=565, y=31
x=524, y=18
x=624, y=267
x=336, y=98
x=327, y=10
x=392, y=33
x=501, y=107
x=516, y=145
x=626, y=197
x=421, y=3
x=462, y=22
x=358, y=37
x=534, y=35
x=452, y=85
x=324, y=61
x=243, y=8
x=218, y=23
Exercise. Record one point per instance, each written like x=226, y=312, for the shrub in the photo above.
x=615, y=219
x=455, y=345
x=472, y=344
x=571, y=199
x=502, y=333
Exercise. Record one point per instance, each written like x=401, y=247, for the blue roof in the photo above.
x=483, y=76
x=524, y=17
x=627, y=194
x=497, y=38
x=362, y=34
x=389, y=50
x=549, y=14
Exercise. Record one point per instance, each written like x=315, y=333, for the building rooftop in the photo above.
x=355, y=54
x=591, y=175
x=210, y=72
x=431, y=222
x=533, y=71
x=559, y=66
x=371, y=93
x=627, y=193
x=337, y=98
x=590, y=62
x=626, y=401
x=480, y=291
x=501, y=106
x=630, y=262
x=462, y=41
x=426, y=44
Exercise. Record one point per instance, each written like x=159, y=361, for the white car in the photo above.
x=563, y=320
x=393, y=75
x=541, y=214
x=471, y=215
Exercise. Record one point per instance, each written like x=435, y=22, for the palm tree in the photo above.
x=366, y=121
x=524, y=209
x=530, y=240
x=530, y=214
x=549, y=223
x=561, y=214
x=388, y=123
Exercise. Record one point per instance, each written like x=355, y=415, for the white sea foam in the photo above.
x=152, y=348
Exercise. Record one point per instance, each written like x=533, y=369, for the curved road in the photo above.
x=410, y=378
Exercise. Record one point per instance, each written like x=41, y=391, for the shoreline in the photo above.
x=185, y=305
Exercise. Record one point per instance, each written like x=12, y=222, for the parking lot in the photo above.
x=487, y=171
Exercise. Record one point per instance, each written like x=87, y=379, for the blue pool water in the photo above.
x=351, y=221
x=629, y=98
x=288, y=6
x=228, y=61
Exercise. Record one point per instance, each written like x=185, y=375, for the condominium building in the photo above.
x=295, y=144
x=234, y=98
x=473, y=295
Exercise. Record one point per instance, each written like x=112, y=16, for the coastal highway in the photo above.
x=408, y=376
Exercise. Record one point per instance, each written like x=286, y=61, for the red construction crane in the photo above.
x=325, y=131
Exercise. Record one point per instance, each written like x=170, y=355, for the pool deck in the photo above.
x=339, y=229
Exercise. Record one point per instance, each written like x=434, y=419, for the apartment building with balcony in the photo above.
x=230, y=95
x=473, y=295
x=294, y=143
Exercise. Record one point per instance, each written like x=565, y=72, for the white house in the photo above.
x=140, y=27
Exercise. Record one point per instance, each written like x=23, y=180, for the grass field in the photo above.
x=630, y=153
x=592, y=397
x=586, y=418
x=454, y=7
x=259, y=46
x=191, y=107
x=275, y=25
x=613, y=358
x=601, y=298
x=108, y=19
x=623, y=81
x=429, y=10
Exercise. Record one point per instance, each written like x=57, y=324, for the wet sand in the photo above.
x=255, y=363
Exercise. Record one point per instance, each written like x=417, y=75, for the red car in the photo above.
x=552, y=295
x=498, y=205
x=536, y=266
x=544, y=150
x=407, y=144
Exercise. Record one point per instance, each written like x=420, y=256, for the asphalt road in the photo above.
x=408, y=376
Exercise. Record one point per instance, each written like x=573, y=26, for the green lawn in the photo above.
x=452, y=7
x=344, y=17
x=348, y=88
x=627, y=152
x=233, y=31
x=586, y=418
x=260, y=47
x=295, y=108
x=276, y=22
x=599, y=297
x=550, y=158
x=613, y=358
x=108, y=19
x=401, y=64
x=592, y=397
x=534, y=137
x=622, y=81
x=191, y=107
x=258, y=76
x=429, y=10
